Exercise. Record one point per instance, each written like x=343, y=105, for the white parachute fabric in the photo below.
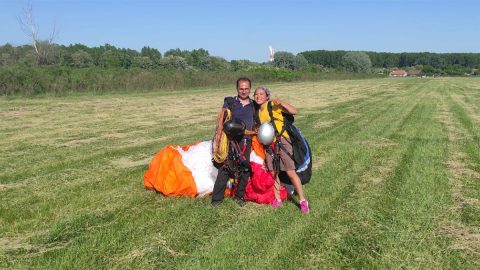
x=198, y=159
x=255, y=158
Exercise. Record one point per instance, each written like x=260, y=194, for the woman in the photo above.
x=262, y=98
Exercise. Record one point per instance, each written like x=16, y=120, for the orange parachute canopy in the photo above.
x=168, y=175
x=258, y=147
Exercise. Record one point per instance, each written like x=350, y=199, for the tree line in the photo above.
x=52, y=68
x=109, y=56
x=439, y=63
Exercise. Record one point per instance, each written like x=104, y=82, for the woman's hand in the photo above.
x=286, y=107
x=277, y=101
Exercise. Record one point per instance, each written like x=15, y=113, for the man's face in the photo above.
x=243, y=90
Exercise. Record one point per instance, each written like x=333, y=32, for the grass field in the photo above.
x=396, y=181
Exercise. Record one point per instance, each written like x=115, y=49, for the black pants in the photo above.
x=224, y=174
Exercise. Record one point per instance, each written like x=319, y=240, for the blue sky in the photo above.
x=244, y=29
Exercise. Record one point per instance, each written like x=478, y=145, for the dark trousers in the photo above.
x=224, y=174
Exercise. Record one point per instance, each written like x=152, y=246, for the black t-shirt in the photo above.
x=242, y=112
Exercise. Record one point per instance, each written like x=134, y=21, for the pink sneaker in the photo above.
x=304, y=207
x=276, y=203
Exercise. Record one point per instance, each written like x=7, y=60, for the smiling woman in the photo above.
x=280, y=155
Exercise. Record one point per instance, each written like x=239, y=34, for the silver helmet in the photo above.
x=266, y=132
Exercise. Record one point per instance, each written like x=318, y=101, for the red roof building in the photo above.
x=398, y=73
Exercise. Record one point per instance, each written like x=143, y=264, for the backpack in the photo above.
x=302, y=154
x=225, y=149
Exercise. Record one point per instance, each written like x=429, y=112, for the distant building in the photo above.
x=414, y=72
x=398, y=73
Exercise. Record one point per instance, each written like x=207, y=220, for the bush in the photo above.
x=357, y=62
x=60, y=80
x=456, y=70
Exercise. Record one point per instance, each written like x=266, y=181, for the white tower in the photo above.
x=272, y=53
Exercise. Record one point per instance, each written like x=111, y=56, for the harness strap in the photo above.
x=277, y=145
x=272, y=119
x=285, y=150
x=236, y=156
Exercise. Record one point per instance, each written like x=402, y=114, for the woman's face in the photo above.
x=260, y=96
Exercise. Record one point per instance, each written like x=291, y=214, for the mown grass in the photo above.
x=395, y=185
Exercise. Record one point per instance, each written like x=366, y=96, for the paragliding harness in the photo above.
x=302, y=155
x=236, y=161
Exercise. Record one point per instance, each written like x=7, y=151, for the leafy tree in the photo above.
x=5, y=59
x=455, y=70
x=212, y=63
x=151, y=53
x=329, y=59
x=177, y=52
x=82, y=59
x=300, y=62
x=8, y=55
x=143, y=62
x=197, y=58
x=429, y=70
x=237, y=65
x=174, y=62
x=284, y=60
x=29, y=58
x=356, y=62
x=110, y=59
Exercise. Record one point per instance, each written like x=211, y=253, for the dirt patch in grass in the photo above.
x=379, y=142
x=14, y=243
x=458, y=163
x=379, y=173
x=142, y=141
x=159, y=241
x=134, y=254
x=319, y=161
x=125, y=162
x=471, y=108
x=465, y=238
x=459, y=168
x=20, y=245
x=330, y=123
x=11, y=186
x=79, y=142
x=324, y=124
x=326, y=93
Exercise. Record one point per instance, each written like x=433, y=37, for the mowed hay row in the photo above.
x=395, y=181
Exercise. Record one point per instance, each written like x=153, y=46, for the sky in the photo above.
x=235, y=29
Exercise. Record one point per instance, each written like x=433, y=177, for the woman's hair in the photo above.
x=264, y=88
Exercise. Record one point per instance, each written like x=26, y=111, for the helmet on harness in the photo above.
x=266, y=132
x=234, y=128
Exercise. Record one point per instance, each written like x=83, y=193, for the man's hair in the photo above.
x=244, y=79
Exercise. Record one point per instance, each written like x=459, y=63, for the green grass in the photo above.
x=395, y=184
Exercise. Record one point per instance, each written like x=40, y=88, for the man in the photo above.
x=242, y=109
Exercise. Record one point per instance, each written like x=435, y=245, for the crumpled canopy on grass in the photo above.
x=188, y=171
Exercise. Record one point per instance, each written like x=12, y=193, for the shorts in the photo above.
x=286, y=162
